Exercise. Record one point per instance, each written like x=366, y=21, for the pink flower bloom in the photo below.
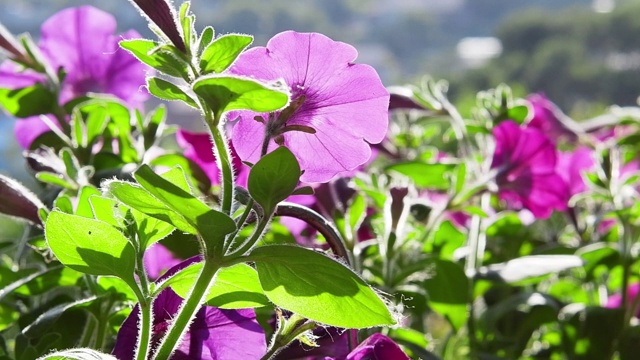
x=615, y=301
x=344, y=103
x=571, y=167
x=377, y=347
x=199, y=148
x=158, y=259
x=548, y=118
x=81, y=41
x=526, y=162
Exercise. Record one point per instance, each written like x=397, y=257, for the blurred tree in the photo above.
x=575, y=57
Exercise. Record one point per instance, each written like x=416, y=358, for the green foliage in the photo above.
x=298, y=279
x=273, y=178
x=222, y=52
x=28, y=101
x=90, y=246
x=226, y=93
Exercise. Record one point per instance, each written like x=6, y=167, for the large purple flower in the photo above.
x=376, y=347
x=525, y=159
x=572, y=165
x=344, y=105
x=548, y=118
x=82, y=42
x=214, y=333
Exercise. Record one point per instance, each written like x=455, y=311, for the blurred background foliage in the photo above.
x=583, y=54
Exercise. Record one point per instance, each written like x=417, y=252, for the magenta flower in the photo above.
x=548, y=118
x=615, y=301
x=158, y=259
x=343, y=106
x=199, y=148
x=571, y=167
x=376, y=347
x=525, y=159
x=214, y=334
x=81, y=41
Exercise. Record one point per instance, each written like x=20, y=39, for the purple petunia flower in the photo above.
x=82, y=42
x=615, y=301
x=343, y=105
x=376, y=347
x=214, y=333
x=525, y=159
x=199, y=148
x=572, y=165
x=548, y=118
x=158, y=259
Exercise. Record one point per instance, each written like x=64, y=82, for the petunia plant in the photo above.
x=319, y=215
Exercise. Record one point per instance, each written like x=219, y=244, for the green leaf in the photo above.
x=156, y=56
x=27, y=101
x=223, y=51
x=273, y=178
x=90, y=246
x=84, y=206
x=448, y=291
x=518, y=113
x=205, y=38
x=226, y=93
x=154, y=126
x=166, y=90
x=55, y=179
x=235, y=287
x=211, y=224
x=138, y=198
x=318, y=288
x=193, y=170
x=433, y=176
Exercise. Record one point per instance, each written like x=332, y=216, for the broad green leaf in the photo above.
x=433, y=176
x=149, y=229
x=318, y=287
x=273, y=178
x=90, y=246
x=42, y=322
x=84, y=206
x=226, y=93
x=211, y=224
x=448, y=290
x=148, y=52
x=193, y=170
x=222, y=52
x=138, y=198
x=446, y=240
x=177, y=177
x=235, y=287
x=109, y=210
x=28, y=101
x=166, y=90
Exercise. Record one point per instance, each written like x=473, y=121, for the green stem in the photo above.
x=247, y=245
x=239, y=223
x=188, y=311
x=144, y=337
x=224, y=164
x=283, y=340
